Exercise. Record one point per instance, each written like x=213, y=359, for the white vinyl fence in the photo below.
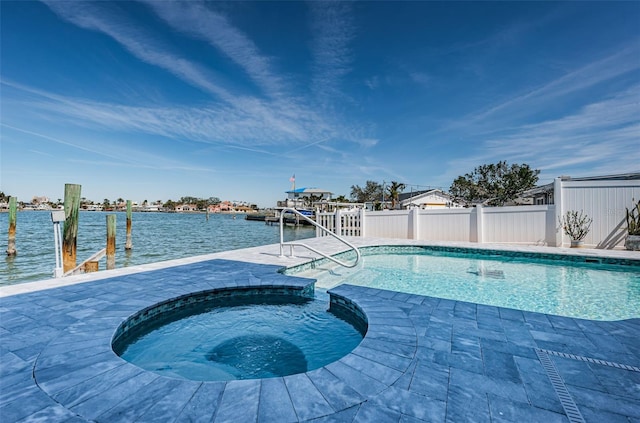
x=603, y=200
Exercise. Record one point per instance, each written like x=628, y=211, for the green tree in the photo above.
x=106, y=204
x=341, y=199
x=494, y=184
x=372, y=192
x=394, y=191
x=169, y=205
x=189, y=200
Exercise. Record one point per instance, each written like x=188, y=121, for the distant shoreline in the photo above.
x=147, y=211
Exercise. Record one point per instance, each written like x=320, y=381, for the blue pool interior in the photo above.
x=573, y=287
x=231, y=337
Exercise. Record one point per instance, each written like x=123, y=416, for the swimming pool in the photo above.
x=239, y=336
x=574, y=287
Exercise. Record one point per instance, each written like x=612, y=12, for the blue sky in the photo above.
x=158, y=100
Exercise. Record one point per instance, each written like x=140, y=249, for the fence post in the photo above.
x=13, y=215
x=413, y=216
x=338, y=227
x=128, y=245
x=479, y=224
x=362, y=225
x=70, y=235
x=559, y=209
x=111, y=241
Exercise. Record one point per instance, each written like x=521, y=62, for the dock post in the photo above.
x=70, y=236
x=128, y=245
x=91, y=266
x=111, y=241
x=11, y=245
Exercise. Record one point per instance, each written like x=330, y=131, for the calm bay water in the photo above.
x=155, y=237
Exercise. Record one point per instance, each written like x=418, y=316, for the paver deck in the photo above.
x=422, y=359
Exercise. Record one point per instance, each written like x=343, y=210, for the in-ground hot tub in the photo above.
x=248, y=333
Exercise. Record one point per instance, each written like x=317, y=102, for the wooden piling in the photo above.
x=70, y=235
x=91, y=266
x=128, y=244
x=207, y=213
x=111, y=241
x=13, y=214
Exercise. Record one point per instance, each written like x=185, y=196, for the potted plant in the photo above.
x=632, y=242
x=576, y=226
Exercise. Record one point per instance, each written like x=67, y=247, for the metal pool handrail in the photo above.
x=300, y=244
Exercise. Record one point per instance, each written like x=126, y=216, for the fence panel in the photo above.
x=446, y=225
x=351, y=225
x=387, y=224
x=328, y=221
x=605, y=202
x=517, y=225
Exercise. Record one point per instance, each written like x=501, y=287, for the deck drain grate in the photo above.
x=569, y=406
x=593, y=360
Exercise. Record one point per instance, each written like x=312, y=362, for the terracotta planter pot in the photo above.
x=632, y=242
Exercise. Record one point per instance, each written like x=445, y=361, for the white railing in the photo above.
x=341, y=222
x=318, y=227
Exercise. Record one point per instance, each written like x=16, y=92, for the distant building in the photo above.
x=93, y=207
x=151, y=207
x=305, y=197
x=426, y=199
x=40, y=200
x=186, y=208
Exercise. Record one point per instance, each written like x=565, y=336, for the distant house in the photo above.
x=540, y=195
x=151, y=208
x=427, y=199
x=303, y=197
x=186, y=208
x=544, y=194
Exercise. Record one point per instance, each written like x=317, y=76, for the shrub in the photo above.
x=576, y=225
x=633, y=220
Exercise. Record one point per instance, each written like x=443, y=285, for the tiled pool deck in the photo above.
x=423, y=358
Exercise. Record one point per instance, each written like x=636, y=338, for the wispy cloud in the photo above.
x=199, y=20
x=420, y=78
x=115, y=155
x=535, y=100
x=602, y=136
x=239, y=120
x=333, y=30
x=97, y=17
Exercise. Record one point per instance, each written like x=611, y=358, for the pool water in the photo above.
x=589, y=291
x=246, y=338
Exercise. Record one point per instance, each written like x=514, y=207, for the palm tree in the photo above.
x=312, y=198
x=394, y=191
